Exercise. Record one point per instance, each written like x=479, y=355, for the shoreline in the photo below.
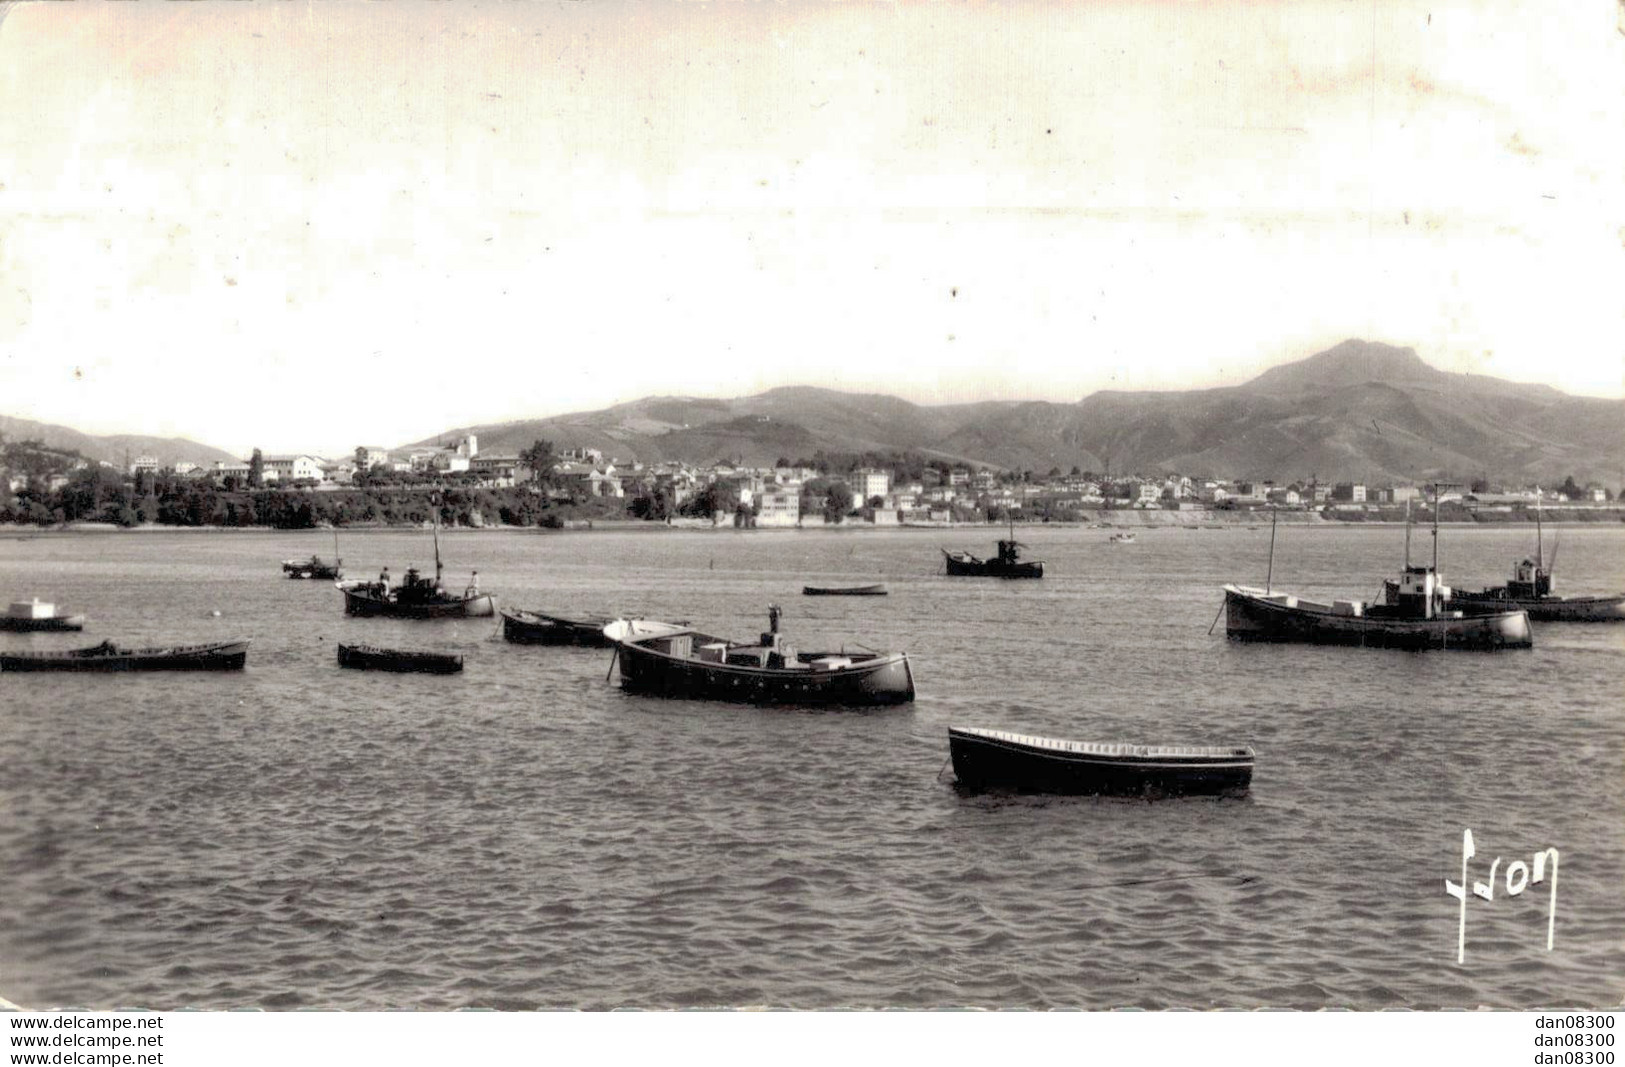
x=1109, y=520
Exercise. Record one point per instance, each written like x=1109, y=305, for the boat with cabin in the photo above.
x=1414, y=615
x=1001, y=760
x=419, y=596
x=693, y=665
x=314, y=567
x=34, y=615
x=373, y=658
x=1531, y=590
x=1007, y=564
x=215, y=656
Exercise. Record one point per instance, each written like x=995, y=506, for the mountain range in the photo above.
x=1360, y=411
x=117, y=449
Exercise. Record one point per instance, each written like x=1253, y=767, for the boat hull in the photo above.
x=883, y=679
x=367, y=658
x=992, y=759
x=535, y=628
x=970, y=567
x=854, y=590
x=1546, y=608
x=1256, y=617
x=57, y=624
x=365, y=602
x=225, y=656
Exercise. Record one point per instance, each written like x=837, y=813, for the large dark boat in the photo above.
x=1412, y=616
x=1007, y=564
x=996, y=759
x=219, y=656
x=843, y=590
x=36, y=615
x=372, y=658
x=537, y=628
x=418, y=596
x=693, y=665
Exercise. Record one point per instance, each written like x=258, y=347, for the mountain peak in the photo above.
x=1354, y=362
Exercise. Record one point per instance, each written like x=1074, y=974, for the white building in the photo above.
x=290, y=468
x=779, y=508
x=871, y=482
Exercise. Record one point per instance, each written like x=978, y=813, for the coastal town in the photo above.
x=44, y=485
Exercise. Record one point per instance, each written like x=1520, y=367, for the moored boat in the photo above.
x=636, y=629
x=314, y=567
x=372, y=658
x=1260, y=615
x=1531, y=590
x=693, y=665
x=419, y=597
x=216, y=656
x=1124, y=538
x=1007, y=564
x=998, y=759
x=538, y=628
x=843, y=590
x=36, y=615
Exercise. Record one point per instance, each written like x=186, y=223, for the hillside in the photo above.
x=1359, y=411
x=116, y=449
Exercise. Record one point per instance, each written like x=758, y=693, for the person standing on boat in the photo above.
x=473, y=589
x=383, y=582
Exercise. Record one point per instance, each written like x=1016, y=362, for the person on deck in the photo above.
x=383, y=582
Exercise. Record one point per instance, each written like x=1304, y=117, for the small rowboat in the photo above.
x=843, y=590
x=372, y=658
x=219, y=656
x=995, y=759
x=537, y=628
x=637, y=629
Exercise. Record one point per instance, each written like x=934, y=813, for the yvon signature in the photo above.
x=1518, y=878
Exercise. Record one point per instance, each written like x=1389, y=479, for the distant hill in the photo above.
x=166, y=450
x=1360, y=411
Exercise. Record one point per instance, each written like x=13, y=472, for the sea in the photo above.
x=527, y=836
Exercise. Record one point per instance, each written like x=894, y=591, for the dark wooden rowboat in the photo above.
x=372, y=658
x=1254, y=615
x=218, y=656
x=995, y=759
x=843, y=590
x=692, y=665
x=538, y=628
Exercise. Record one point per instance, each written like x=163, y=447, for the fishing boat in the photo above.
x=843, y=590
x=693, y=665
x=1414, y=616
x=372, y=658
x=1007, y=564
x=537, y=628
x=418, y=596
x=218, y=656
x=997, y=759
x=1124, y=538
x=35, y=615
x=315, y=566
x=1531, y=590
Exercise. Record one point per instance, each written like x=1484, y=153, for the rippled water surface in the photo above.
x=524, y=835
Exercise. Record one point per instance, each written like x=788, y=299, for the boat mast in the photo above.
x=436, y=516
x=1435, y=527
x=1407, y=533
x=1540, y=551
x=1269, y=575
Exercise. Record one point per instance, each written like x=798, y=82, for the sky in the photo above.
x=306, y=226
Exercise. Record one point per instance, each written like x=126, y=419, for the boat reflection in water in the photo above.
x=690, y=664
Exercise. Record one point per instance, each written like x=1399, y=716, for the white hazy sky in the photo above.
x=306, y=226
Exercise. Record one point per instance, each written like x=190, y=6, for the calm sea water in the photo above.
x=526, y=836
